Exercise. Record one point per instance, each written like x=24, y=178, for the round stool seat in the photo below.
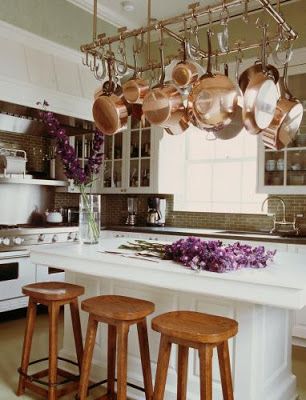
x=120, y=308
x=195, y=326
x=53, y=291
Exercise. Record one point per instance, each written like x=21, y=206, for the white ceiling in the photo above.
x=112, y=11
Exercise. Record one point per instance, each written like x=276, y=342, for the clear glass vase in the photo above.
x=89, y=218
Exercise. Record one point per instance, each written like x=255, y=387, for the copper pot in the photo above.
x=163, y=105
x=109, y=110
x=258, y=84
x=135, y=89
x=287, y=118
x=185, y=73
x=213, y=98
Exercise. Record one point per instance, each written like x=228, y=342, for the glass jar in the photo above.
x=89, y=218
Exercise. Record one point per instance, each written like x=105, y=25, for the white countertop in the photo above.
x=281, y=284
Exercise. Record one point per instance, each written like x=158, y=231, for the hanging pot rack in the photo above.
x=195, y=11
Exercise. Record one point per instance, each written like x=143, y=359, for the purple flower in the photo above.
x=198, y=254
x=66, y=152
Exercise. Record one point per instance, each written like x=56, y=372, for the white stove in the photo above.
x=16, y=270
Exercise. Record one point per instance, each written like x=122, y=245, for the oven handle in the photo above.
x=9, y=257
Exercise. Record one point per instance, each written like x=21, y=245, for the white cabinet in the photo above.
x=141, y=159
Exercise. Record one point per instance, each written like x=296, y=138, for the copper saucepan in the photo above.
x=287, y=118
x=135, y=89
x=110, y=111
x=213, y=97
x=258, y=84
x=185, y=73
x=163, y=105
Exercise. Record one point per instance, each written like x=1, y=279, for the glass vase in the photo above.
x=89, y=218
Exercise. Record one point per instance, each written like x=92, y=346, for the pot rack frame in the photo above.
x=195, y=11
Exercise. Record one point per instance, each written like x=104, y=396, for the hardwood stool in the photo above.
x=199, y=331
x=119, y=312
x=53, y=295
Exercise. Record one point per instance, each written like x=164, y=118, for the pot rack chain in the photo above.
x=101, y=41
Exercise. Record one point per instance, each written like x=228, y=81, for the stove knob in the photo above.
x=70, y=236
x=18, y=240
x=6, y=241
x=76, y=237
x=54, y=238
x=41, y=237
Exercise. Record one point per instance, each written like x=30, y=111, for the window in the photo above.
x=220, y=175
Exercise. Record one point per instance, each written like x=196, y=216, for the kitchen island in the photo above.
x=261, y=301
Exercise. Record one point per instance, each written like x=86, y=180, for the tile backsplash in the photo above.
x=114, y=212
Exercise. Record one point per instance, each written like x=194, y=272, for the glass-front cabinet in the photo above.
x=284, y=171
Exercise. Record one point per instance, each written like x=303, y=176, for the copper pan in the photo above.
x=213, y=97
x=258, y=84
x=185, y=73
x=110, y=111
x=287, y=118
x=163, y=105
x=135, y=89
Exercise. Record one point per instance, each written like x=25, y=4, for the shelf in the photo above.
x=27, y=181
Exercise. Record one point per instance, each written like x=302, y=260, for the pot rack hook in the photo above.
x=121, y=66
x=85, y=61
x=194, y=32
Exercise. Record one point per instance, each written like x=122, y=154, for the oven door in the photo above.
x=16, y=270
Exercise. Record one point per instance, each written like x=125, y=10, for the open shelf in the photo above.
x=33, y=181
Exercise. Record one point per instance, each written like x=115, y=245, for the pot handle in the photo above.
x=209, y=63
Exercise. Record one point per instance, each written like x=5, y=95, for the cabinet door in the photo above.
x=139, y=168
x=299, y=320
x=112, y=178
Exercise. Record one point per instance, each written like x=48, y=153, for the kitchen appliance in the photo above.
x=132, y=211
x=53, y=217
x=156, y=211
x=12, y=162
x=16, y=270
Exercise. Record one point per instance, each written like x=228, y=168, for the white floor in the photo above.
x=11, y=338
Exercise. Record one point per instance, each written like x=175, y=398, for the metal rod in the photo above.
x=279, y=19
x=94, y=23
x=199, y=12
x=149, y=33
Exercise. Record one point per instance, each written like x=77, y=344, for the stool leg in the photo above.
x=111, y=361
x=53, y=349
x=87, y=356
x=77, y=331
x=205, y=353
x=145, y=358
x=162, y=368
x=225, y=371
x=182, y=372
x=27, y=343
x=123, y=331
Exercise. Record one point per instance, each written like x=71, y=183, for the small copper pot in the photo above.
x=135, y=89
x=163, y=105
x=185, y=73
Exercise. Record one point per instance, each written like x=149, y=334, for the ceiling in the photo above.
x=112, y=11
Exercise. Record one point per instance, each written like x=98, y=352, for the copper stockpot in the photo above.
x=185, y=73
x=163, y=105
x=110, y=110
x=258, y=84
x=287, y=118
x=135, y=89
x=213, y=98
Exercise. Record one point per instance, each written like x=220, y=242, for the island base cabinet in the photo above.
x=260, y=353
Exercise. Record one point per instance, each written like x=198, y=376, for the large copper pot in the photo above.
x=287, y=118
x=110, y=110
x=213, y=98
x=258, y=84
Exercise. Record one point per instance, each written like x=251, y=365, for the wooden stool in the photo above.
x=53, y=295
x=119, y=312
x=199, y=331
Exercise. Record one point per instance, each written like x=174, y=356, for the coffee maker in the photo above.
x=156, y=211
x=132, y=211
